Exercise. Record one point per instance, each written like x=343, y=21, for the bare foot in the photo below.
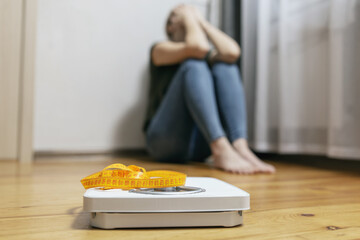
x=243, y=149
x=226, y=158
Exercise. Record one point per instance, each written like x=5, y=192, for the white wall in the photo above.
x=92, y=71
x=10, y=52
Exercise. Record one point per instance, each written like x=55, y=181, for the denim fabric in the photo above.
x=200, y=105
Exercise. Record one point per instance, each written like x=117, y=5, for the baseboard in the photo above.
x=114, y=153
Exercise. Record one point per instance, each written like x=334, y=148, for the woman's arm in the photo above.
x=227, y=49
x=195, y=44
x=195, y=37
x=169, y=52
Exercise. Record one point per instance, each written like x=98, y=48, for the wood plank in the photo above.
x=299, y=202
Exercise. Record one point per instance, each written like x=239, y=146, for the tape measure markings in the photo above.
x=129, y=177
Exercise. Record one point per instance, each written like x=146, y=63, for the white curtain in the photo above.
x=306, y=94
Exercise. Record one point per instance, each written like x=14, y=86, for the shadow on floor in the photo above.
x=316, y=161
x=320, y=162
x=81, y=218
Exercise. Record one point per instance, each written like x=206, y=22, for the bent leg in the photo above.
x=189, y=103
x=199, y=94
x=231, y=99
x=232, y=107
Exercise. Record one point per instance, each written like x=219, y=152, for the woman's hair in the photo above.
x=167, y=26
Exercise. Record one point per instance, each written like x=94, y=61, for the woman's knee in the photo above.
x=195, y=64
x=195, y=76
x=196, y=72
x=223, y=68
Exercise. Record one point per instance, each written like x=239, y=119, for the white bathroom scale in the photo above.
x=202, y=202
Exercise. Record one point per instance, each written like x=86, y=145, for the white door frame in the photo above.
x=27, y=81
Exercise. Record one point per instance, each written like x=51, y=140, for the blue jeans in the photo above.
x=200, y=105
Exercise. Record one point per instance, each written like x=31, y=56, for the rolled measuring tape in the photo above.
x=129, y=177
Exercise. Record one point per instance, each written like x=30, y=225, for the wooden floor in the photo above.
x=303, y=200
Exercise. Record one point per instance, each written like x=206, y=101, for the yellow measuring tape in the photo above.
x=128, y=177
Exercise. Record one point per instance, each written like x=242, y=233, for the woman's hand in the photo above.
x=182, y=13
x=226, y=49
x=198, y=15
x=188, y=38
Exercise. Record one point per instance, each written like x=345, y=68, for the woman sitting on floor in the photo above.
x=197, y=102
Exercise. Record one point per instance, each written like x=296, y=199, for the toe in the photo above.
x=269, y=168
